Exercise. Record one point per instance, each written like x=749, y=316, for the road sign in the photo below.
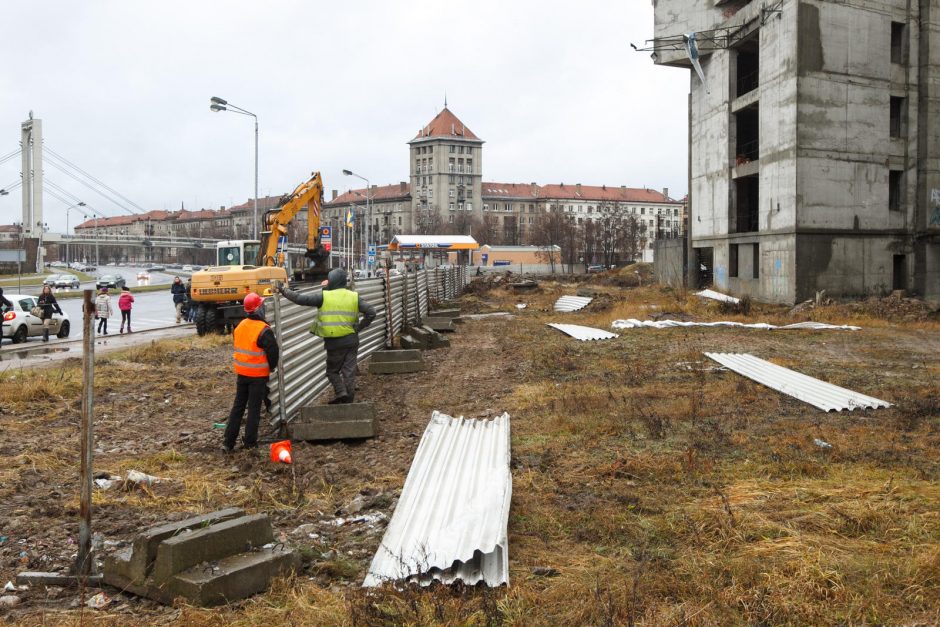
x=326, y=234
x=372, y=250
x=282, y=243
x=371, y=260
x=485, y=257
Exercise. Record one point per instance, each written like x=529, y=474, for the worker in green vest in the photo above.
x=339, y=324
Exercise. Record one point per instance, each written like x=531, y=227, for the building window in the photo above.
x=460, y=150
x=733, y=261
x=469, y=206
x=755, y=261
x=675, y=212
x=469, y=150
x=898, y=43
x=747, y=60
x=450, y=193
x=642, y=211
x=486, y=207
x=470, y=192
x=897, y=116
x=745, y=205
x=450, y=218
x=508, y=206
x=399, y=220
x=453, y=149
x=451, y=206
x=431, y=192
x=469, y=165
x=895, y=184
x=747, y=135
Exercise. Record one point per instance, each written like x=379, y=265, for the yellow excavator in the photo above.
x=219, y=290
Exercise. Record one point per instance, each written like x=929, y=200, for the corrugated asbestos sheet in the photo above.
x=825, y=396
x=452, y=516
x=583, y=333
x=718, y=296
x=633, y=323
x=572, y=303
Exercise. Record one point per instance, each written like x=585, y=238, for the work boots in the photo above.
x=45, y=335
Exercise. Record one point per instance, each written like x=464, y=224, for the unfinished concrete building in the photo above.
x=814, y=143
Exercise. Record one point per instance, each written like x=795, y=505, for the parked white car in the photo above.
x=19, y=324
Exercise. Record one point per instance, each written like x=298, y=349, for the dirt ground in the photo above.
x=649, y=485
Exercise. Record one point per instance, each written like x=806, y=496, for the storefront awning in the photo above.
x=433, y=242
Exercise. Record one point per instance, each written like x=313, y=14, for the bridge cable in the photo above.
x=89, y=186
x=56, y=155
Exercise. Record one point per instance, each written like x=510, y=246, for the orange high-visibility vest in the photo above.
x=250, y=359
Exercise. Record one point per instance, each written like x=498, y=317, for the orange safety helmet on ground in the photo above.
x=252, y=302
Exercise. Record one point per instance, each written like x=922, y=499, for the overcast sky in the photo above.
x=123, y=89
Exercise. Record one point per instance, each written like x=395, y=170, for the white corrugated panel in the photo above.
x=823, y=395
x=572, y=303
x=718, y=296
x=583, y=333
x=452, y=516
x=633, y=323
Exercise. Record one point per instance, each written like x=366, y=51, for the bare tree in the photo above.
x=548, y=233
x=485, y=232
x=572, y=242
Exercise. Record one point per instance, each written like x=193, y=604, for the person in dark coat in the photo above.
x=339, y=325
x=255, y=356
x=49, y=305
x=4, y=302
x=179, y=297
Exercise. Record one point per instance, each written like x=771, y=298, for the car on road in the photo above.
x=186, y=268
x=68, y=280
x=143, y=275
x=593, y=269
x=110, y=281
x=19, y=323
x=50, y=280
x=173, y=266
x=155, y=269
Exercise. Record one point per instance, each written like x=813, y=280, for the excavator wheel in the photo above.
x=201, y=328
x=212, y=321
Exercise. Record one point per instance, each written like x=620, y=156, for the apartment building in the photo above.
x=814, y=144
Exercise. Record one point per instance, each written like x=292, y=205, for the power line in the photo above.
x=12, y=186
x=62, y=190
x=96, y=180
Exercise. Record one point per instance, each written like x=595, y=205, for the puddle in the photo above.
x=9, y=355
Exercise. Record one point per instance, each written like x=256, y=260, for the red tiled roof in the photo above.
x=446, y=124
x=599, y=193
x=268, y=202
x=158, y=216
x=510, y=190
x=378, y=194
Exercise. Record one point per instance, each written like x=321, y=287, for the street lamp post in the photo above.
x=67, y=243
x=218, y=104
x=368, y=228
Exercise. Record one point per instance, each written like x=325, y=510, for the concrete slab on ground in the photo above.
x=233, y=578
x=334, y=422
x=396, y=362
x=445, y=325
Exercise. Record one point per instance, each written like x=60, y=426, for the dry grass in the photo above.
x=657, y=488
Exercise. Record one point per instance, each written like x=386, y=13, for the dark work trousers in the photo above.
x=250, y=392
x=126, y=317
x=341, y=370
x=103, y=324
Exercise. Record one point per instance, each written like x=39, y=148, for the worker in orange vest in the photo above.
x=256, y=355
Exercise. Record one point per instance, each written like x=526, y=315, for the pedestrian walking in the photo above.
x=125, y=304
x=179, y=297
x=190, y=306
x=339, y=325
x=4, y=302
x=49, y=305
x=256, y=355
x=103, y=310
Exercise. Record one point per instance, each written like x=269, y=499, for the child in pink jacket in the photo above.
x=125, y=302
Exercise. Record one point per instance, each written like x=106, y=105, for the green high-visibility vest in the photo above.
x=340, y=311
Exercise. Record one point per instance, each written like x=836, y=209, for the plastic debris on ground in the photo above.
x=581, y=333
x=633, y=323
x=821, y=443
x=99, y=601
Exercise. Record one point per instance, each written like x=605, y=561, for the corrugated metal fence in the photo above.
x=303, y=359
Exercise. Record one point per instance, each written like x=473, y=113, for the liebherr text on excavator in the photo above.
x=219, y=290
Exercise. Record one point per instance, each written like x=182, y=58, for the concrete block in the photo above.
x=445, y=313
x=445, y=325
x=334, y=413
x=214, y=542
x=331, y=430
x=135, y=563
x=396, y=362
x=333, y=422
x=435, y=339
x=396, y=355
x=395, y=367
x=232, y=578
x=40, y=578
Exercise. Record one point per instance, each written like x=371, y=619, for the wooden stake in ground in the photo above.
x=84, y=564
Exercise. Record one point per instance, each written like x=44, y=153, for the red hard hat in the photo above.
x=252, y=302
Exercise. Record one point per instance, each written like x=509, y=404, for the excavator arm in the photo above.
x=277, y=221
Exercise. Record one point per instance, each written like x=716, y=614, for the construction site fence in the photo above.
x=400, y=301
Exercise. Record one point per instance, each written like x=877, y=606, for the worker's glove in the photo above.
x=277, y=287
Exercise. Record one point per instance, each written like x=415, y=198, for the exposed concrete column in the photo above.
x=31, y=148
